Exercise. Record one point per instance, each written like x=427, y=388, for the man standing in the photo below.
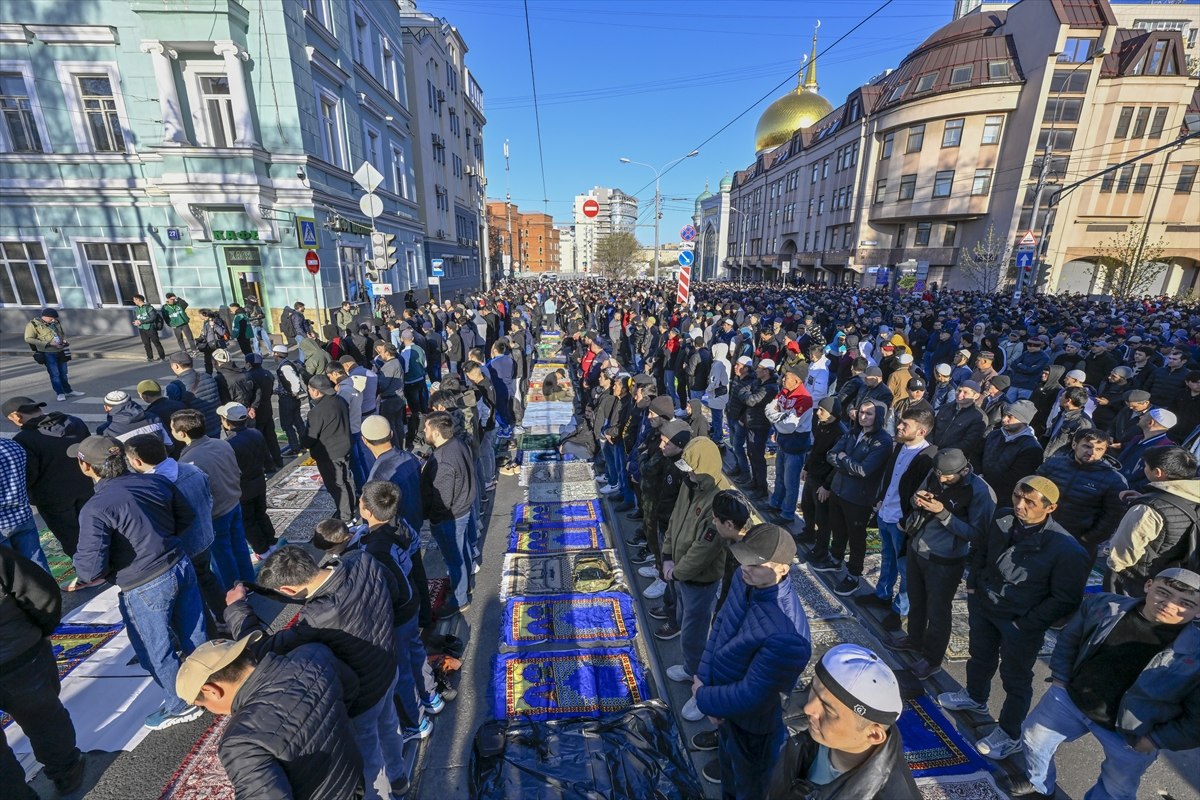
x=17, y=529
x=1026, y=370
x=261, y=411
x=52, y=476
x=1026, y=572
x=328, y=440
x=1070, y=420
x=818, y=472
x=290, y=390
x=961, y=424
x=45, y=337
x=1090, y=487
x=160, y=407
x=129, y=535
x=148, y=323
x=253, y=460
x=240, y=328
x=448, y=488
x=1011, y=450
x=1155, y=426
x=174, y=311
x=294, y=327
x=755, y=396
x=416, y=390
x=198, y=390
x=398, y=466
x=791, y=414
x=758, y=647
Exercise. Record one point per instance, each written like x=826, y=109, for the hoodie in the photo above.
x=53, y=477
x=128, y=420
x=690, y=540
x=858, y=460
x=1046, y=395
x=716, y=395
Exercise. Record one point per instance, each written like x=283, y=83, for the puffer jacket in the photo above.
x=883, y=776
x=129, y=420
x=858, y=462
x=288, y=734
x=758, y=647
x=1089, y=505
x=52, y=475
x=690, y=541
x=1026, y=369
x=755, y=397
x=201, y=393
x=351, y=614
x=1032, y=582
x=1166, y=384
x=1163, y=704
x=1006, y=459
x=960, y=427
x=791, y=413
x=738, y=387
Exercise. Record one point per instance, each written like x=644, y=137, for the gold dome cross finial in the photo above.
x=810, y=76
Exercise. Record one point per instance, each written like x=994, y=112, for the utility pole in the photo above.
x=657, y=220
x=508, y=205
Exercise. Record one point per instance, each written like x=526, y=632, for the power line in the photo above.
x=537, y=115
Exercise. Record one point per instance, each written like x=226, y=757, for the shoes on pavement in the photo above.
x=657, y=612
x=667, y=631
x=1023, y=788
x=648, y=571
x=705, y=740
x=826, y=564
x=997, y=745
x=636, y=515
x=846, y=586
x=164, y=719
x=676, y=672
x=608, y=489
x=601, y=479
x=960, y=701
x=62, y=397
x=902, y=642
x=691, y=712
x=422, y=731
x=623, y=506
x=770, y=509
x=893, y=622
x=435, y=704
x=72, y=779
x=642, y=556
x=637, y=540
x=475, y=568
x=875, y=600
x=400, y=788
x=76, y=393
x=655, y=590
x=923, y=669
x=712, y=771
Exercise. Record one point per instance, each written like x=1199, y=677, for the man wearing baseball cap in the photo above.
x=758, y=647
x=1126, y=670
x=852, y=747
x=288, y=733
x=1026, y=571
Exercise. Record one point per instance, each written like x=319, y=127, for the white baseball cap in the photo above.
x=862, y=681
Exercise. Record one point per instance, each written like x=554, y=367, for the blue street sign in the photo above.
x=174, y=234
x=686, y=257
x=306, y=233
x=437, y=271
x=1025, y=257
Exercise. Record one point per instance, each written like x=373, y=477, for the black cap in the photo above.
x=26, y=405
x=321, y=383
x=49, y=312
x=253, y=358
x=915, y=384
x=949, y=461
x=642, y=379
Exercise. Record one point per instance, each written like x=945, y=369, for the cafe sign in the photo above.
x=235, y=236
x=243, y=257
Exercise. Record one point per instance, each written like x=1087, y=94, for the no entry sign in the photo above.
x=312, y=262
x=591, y=207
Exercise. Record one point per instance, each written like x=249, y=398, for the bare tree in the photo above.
x=985, y=263
x=1129, y=263
x=616, y=255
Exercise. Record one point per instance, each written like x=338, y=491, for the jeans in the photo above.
x=931, y=589
x=452, y=537
x=756, y=452
x=260, y=340
x=184, y=338
x=339, y=480
x=29, y=694
x=747, y=760
x=848, y=525
x=259, y=530
x=377, y=734
x=230, y=554
x=487, y=458
x=787, y=482
x=614, y=468
x=1056, y=719
x=150, y=339
x=695, y=602
x=414, y=677
x=717, y=430
x=358, y=464
x=164, y=616
x=669, y=381
x=24, y=540
x=58, y=373
x=737, y=443
x=892, y=566
x=996, y=642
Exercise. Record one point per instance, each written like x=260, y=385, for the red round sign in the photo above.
x=591, y=207
x=312, y=262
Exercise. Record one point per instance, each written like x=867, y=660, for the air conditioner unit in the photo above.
x=441, y=95
x=469, y=170
x=462, y=242
x=441, y=234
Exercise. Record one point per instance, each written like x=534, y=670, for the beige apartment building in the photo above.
x=915, y=167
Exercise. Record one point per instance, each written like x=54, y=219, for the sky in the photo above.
x=651, y=80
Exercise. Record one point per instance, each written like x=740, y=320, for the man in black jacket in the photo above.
x=817, y=474
x=288, y=733
x=253, y=460
x=448, y=488
x=755, y=396
x=328, y=440
x=1012, y=450
x=55, y=484
x=290, y=390
x=30, y=609
x=261, y=412
x=961, y=424
x=160, y=406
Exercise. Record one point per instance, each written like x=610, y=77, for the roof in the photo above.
x=1086, y=14
x=1137, y=52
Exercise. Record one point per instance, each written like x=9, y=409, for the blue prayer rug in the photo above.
x=560, y=685
x=932, y=746
x=586, y=512
x=541, y=541
x=604, y=616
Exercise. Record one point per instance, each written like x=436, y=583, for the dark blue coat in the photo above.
x=402, y=468
x=757, y=649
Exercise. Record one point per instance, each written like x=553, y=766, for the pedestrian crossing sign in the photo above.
x=306, y=233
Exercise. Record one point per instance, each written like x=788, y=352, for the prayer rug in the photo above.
x=826, y=633
x=931, y=744
x=548, y=514
x=542, y=457
x=559, y=685
x=546, y=492
x=306, y=479
x=601, y=617
x=541, y=441
x=201, y=776
x=560, y=472
x=298, y=499
x=73, y=644
x=535, y=432
x=542, y=541
x=815, y=597
x=979, y=786
x=584, y=572
x=61, y=566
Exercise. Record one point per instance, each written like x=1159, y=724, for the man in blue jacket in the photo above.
x=757, y=649
x=1126, y=670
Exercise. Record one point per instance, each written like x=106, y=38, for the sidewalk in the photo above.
x=124, y=348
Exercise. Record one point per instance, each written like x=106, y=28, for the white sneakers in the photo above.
x=648, y=571
x=608, y=489
x=691, y=712
x=997, y=745
x=62, y=397
x=655, y=590
x=676, y=672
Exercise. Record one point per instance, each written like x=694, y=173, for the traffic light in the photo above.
x=383, y=250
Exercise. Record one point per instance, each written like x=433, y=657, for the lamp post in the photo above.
x=657, y=195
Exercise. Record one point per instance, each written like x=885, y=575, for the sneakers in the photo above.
x=72, y=779
x=691, y=712
x=826, y=564
x=902, y=643
x=846, y=586
x=997, y=745
x=648, y=571
x=637, y=540
x=676, y=672
x=76, y=393
x=163, y=719
x=608, y=489
x=435, y=704
x=657, y=612
x=601, y=479
x=705, y=740
x=893, y=622
x=712, y=771
x=642, y=556
x=62, y=397
x=636, y=515
x=422, y=731
x=923, y=670
x=960, y=701
x=655, y=590
x=667, y=631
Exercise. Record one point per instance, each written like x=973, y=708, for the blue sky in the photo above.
x=652, y=79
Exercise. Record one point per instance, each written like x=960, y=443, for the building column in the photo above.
x=234, y=57
x=168, y=97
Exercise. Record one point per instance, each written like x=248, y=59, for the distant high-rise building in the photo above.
x=618, y=212
x=566, y=248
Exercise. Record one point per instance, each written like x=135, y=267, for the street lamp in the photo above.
x=657, y=195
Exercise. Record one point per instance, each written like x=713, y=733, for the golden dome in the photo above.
x=797, y=109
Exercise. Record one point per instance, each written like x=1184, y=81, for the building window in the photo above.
x=880, y=189
x=998, y=70
x=925, y=82
x=1123, y=120
x=1159, y=122
x=1143, y=177
x=923, y=231
x=319, y=11
x=962, y=74
x=886, y=150
x=952, y=135
x=1187, y=179
x=100, y=113
x=19, y=122
x=949, y=234
x=400, y=184
x=1106, y=183
x=1157, y=54
x=901, y=236
x=218, y=110
x=362, y=41
x=1069, y=81
x=120, y=271
x=1140, y=122
x=25, y=277
x=848, y=237
x=1056, y=139
x=897, y=92
x=1063, y=109
x=372, y=152
x=991, y=130
x=943, y=182
x=330, y=123
x=820, y=205
x=815, y=172
x=1124, y=179
x=916, y=138
x=982, y=183
x=1076, y=50
x=825, y=168
x=811, y=204
x=908, y=186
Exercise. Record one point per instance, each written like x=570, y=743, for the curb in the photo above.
x=85, y=354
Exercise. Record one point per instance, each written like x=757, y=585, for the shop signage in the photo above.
x=243, y=257
x=235, y=236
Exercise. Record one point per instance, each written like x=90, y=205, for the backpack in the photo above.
x=159, y=322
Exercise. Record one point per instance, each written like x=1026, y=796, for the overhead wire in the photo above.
x=537, y=114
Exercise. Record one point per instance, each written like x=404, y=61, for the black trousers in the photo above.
x=414, y=397
x=29, y=694
x=184, y=338
x=260, y=532
x=931, y=588
x=339, y=480
x=265, y=424
x=150, y=339
x=816, y=515
x=212, y=592
x=998, y=642
x=291, y=422
x=848, y=524
x=393, y=410
x=756, y=452
x=62, y=519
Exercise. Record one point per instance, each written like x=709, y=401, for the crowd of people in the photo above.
x=1013, y=449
